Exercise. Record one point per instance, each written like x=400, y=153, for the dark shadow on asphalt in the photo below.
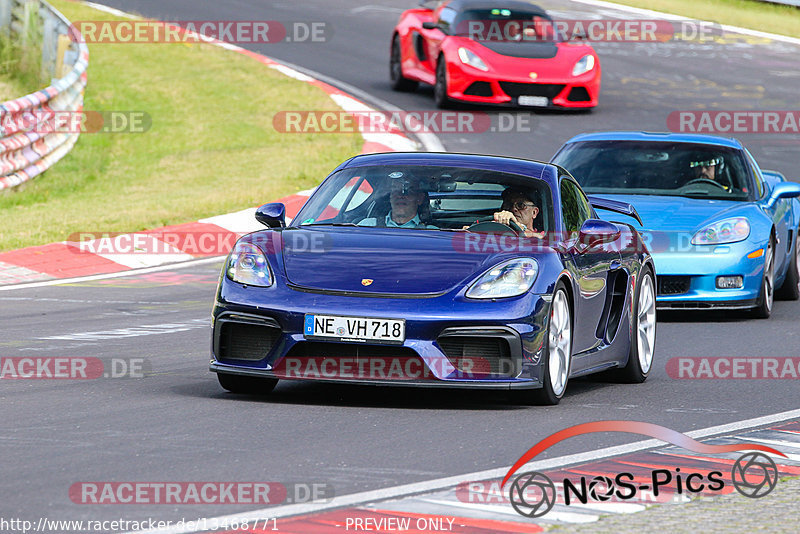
x=300, y=393
x=704, y=316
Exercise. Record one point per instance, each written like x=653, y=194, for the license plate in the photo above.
x=538, y=101
x=360, y=329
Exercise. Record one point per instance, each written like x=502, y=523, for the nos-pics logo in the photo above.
x=533, y=494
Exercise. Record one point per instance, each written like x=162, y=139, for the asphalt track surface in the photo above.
x=177, y=424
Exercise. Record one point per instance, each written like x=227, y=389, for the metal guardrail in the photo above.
x=795, y=3
x=24, y=151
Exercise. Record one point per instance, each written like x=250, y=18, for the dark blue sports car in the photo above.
x=437, y=270
x=723, y=232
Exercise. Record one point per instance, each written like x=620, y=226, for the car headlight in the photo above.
x=470, y=58
x=725, y=231
x=507, y=279
x=584, y=64
x=247, y=265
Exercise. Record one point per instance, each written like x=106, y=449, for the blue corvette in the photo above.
x=419, y=269
x=723, y=232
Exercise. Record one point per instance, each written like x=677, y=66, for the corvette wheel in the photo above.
x=790, y=290
x=767, y=296
x=643, y=331
x=399, y=82
x=252, y=385
x=557, y=359
x=440, y=87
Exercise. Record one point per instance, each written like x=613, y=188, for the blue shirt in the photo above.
x=389, y=222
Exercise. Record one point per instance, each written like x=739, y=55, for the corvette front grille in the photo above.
x=242, y=341
x=514, y=89
x=673, y=285
x=477, y=356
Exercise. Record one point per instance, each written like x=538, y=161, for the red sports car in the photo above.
x=492, y=52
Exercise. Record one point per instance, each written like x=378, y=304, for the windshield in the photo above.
x=509, y=25
x=421, y=198
x=657, y=168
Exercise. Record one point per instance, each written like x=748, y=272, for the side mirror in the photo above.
x=783, y=190
x=596, y=232
x=430, y=26
x=272, y=215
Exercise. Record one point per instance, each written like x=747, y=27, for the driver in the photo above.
x=406, y=198
x=518, y=207
x=706, y=168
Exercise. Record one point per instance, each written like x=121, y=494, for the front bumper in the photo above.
x=468, y=84
x=687, y=279
x=442, y=348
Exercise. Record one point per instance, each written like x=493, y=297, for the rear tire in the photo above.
x=557, y=356
x=399, y=82
x=643, y=332
x=790, y=290
x=252, y=385
x=767, y=295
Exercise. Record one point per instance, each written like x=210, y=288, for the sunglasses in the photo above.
x=522, y=205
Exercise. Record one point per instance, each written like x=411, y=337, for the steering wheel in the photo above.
x=490, y=226
x=705, y=181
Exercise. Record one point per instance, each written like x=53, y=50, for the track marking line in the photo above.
x=405, y=490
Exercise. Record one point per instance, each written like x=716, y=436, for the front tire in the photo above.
x=252, y=385
x=790, y=290
x=440, y=87
x=643, y=331
x=557, y=358
x=767, y=295
x=399, y=82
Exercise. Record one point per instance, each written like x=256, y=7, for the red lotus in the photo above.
x=492, y=52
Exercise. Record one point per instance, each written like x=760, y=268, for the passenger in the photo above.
x=406, y=198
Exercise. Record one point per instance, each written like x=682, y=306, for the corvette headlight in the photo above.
x=725, y=231
x=247, y=265
x=508, y=279
x=470, y=58
x=584, y=64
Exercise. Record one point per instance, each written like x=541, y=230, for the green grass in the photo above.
x=211, y=148
x=752, y=14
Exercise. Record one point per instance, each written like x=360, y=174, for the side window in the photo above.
x=575, y=207
x=447, y=17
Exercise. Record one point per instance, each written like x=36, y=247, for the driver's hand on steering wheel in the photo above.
x=503, y=217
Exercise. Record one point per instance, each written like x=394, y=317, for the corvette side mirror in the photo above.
x=783, y=190
x=430, y=26
x=596, y=232
x=272, y=215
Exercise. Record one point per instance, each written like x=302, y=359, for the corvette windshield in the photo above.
x=658, y=168
x=420, y=198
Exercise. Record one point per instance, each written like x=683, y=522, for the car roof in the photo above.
x=657, y=136
x=524, y=167
x=461, y=5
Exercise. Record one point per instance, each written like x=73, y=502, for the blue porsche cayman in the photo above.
x=437, y=270
x=722, y=231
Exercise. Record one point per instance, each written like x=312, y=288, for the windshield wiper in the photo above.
x=330, y=224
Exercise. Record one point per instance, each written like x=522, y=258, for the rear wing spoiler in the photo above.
x=615, y=206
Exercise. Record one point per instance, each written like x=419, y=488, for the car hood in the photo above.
x=400, y=262
x=529, y=50
x=674, y=214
